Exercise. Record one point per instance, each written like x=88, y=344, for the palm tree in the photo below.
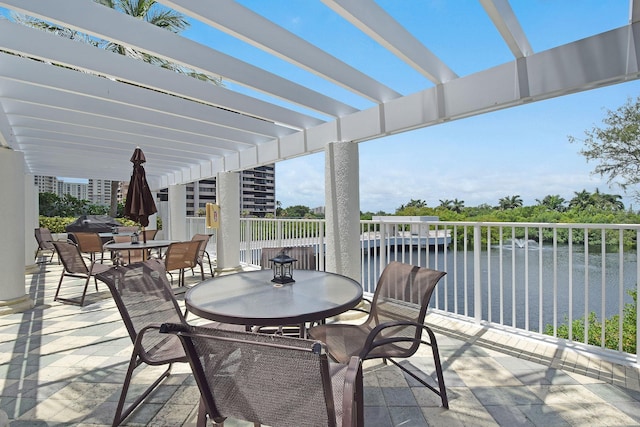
x=553, y=202
x=147, y=10
x=510, y=202
x=457, y=205
x=445, y=204
x=582, y=200
x=153, y=13
x=606, y=201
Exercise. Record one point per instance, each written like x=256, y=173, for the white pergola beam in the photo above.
x=507, y=24
x=377, y=24
x=91, y=18
x=54, y=49
x=244, y=24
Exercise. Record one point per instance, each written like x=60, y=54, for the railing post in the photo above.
x=248, y=253
x=321, y=245
x=477, y=273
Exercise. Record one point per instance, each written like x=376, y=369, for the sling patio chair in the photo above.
x=75, y=265
x=270, y=380
x=44, y=239
x=305, y=260
x=181, y=256
x=145, y=300
x=127, y=229
x=202, y=252
x=129, y=256
x=89, y=243
x=395, y=325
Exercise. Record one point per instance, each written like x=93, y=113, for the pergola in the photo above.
x=70, y=109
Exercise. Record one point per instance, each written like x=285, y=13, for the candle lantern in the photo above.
x=282, y=268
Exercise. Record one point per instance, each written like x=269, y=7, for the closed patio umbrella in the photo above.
x=139, y=204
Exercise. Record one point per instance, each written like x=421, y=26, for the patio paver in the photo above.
x=64, y=365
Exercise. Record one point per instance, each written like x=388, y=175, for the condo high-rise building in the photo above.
x=257, y=193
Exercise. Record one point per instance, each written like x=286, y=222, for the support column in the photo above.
x=228, y=242
x=177, y=227
x=342, y=199
x=31, y=217
x=13, y=297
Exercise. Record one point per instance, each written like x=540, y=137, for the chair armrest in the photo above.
x=154, y=326
x=352, y=398
x=373, y=341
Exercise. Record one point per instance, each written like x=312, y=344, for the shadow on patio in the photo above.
x=64, y=365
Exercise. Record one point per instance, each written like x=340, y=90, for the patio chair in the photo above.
x=202, y=252
x=305, y=260
x=89, y=243
x=181, y=256
x=144, y=298
x=44, y=239
x=395, y=325
x=127, y=229
x=305, y=256
x=270, y=380
x=148, y=234
x=129, y=256
x=75, y=266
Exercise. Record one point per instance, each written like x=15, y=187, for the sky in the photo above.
x=521, y=151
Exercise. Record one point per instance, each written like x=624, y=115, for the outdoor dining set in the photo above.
x=268, y=346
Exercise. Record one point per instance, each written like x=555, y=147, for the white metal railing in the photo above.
x=534, y=277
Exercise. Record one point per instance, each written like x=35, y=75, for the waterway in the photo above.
x=527, y=295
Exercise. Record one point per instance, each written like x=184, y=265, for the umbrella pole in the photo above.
x=144, y=235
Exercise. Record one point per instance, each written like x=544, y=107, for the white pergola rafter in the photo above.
x=98, y=105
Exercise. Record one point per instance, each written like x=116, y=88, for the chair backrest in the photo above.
x=143, y=296
x=266, y=379
x=305, y=256
x=131, y=255
x=71, y=257
x=181, y=255
x=204, y=240
x=149, y=234
x=402, y=294
x=44, y=238
x=127, y=229
x=88, y=242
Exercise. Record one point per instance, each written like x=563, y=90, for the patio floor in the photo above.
x=64, y=365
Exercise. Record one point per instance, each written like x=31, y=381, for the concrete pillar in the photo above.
x=31, y=217
x=342, y=199
x=13, y=297
x=228, y=242
x=177, y=227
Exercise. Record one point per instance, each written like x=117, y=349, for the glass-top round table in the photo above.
x=251, y=298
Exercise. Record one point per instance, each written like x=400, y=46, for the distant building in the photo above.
x=318, y=211
x=96, y=191
x=75, y=189
x=46, y=184
x=257, y=193
x=99, y=192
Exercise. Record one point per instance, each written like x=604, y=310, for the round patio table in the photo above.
x=130, y=246
x=251, y=298
x=127, y=246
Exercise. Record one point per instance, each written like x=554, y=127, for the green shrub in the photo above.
x=611, y=328
x=57, y=224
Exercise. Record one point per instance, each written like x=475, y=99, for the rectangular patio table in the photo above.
x=251, y=298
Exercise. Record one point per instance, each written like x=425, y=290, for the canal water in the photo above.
x=528, y=294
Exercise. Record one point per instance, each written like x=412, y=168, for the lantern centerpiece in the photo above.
x=282, y=266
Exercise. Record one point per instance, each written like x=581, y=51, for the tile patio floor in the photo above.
x=62, y=365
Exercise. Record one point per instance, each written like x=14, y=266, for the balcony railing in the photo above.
x=531, y=278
